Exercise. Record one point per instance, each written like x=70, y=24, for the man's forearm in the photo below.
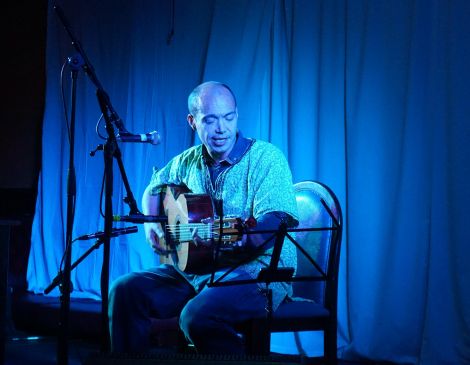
x=150, y=203
x=268, y=222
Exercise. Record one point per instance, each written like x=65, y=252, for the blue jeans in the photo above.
x=207, y=318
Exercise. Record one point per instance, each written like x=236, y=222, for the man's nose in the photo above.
x=220, y=125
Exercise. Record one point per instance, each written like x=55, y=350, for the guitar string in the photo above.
x=184, y=233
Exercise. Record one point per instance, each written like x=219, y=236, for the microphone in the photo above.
x=140, y=218
x=152, y=137
x=115, y=232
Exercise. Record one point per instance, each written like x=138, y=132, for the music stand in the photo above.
x=273, y=273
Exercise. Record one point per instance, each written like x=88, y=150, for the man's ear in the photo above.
x=191, y=122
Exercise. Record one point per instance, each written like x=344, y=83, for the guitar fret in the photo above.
x=183, y=232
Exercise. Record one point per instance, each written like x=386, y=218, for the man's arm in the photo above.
x=268, y=222
x=153, y=231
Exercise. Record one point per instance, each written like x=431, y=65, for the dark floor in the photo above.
x=43, y=350
x=32, y=338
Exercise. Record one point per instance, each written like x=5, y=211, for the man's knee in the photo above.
x=123, y=290
x=193, y=320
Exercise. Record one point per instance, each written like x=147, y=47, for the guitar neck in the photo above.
x=231, y=230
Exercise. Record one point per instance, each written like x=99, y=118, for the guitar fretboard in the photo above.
x=206, y=231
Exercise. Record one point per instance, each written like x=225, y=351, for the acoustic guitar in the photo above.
x=187, y=211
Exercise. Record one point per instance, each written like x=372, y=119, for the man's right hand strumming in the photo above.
x=155, y=237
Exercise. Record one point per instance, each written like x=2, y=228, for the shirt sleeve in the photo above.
x=164, y=176
x=274, y=187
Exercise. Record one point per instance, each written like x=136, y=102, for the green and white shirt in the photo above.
x=255, y=181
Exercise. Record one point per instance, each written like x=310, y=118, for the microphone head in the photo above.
x=154, y=138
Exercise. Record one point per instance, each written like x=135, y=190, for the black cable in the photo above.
x=64, y=104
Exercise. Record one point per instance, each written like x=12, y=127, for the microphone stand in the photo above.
x=111, y=150
x=65, y=286
x=59, y=278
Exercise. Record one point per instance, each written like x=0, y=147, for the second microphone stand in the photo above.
x=111, y=152
x=65, y=286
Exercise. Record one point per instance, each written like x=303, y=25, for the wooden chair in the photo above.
x=315, y=281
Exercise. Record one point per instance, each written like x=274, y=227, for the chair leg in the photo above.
x=258, y=339
x=330, y=348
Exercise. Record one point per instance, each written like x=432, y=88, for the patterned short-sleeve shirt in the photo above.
x=258, y=181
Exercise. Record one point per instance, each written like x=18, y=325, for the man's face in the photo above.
x=216, y=122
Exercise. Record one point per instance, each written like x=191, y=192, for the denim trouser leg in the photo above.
x=208, y=319
x=159, y=292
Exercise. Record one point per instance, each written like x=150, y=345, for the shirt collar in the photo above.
x=241, y=146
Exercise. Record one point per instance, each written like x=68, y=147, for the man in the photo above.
x=244, y=178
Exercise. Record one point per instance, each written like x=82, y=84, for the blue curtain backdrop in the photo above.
x=369, y=97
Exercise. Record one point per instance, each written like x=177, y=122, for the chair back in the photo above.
x=318, y=207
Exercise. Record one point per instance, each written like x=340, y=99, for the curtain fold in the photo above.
x=369, y=97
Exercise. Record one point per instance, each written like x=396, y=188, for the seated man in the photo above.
x=244, y=178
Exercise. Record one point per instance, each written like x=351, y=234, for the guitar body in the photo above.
x=186, y=211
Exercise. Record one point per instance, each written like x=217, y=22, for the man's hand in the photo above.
x=199, y=241
x=155, y=235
